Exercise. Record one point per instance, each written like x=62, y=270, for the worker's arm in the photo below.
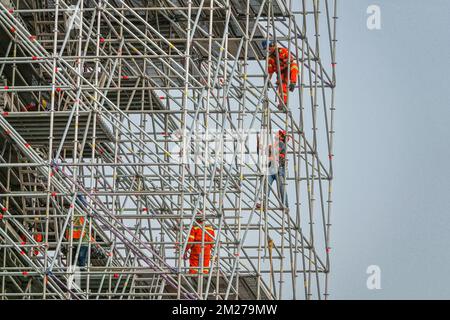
x=294, y=70
x=272, y=66
x=294, y=73
x=211, y=235
x=189, y=244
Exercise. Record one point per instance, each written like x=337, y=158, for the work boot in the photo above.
x=282, y=108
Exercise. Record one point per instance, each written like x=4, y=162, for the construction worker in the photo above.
x=77, y=233
x=38, y=237
x=200, y=234
x=277, y=166
x=285, y=58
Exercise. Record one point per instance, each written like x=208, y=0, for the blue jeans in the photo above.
x=279, y=177
x=82, y=256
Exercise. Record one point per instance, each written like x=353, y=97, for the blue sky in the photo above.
x=392, y=207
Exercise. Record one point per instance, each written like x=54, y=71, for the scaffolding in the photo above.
x=139, y=115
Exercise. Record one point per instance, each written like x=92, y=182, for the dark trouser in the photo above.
x=279, y=177
x=82, y=255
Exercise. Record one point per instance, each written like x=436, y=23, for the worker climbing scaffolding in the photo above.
x=284, y=64
x=79, y=230
x=77, y=233
x=201, y=235
x=276, y=166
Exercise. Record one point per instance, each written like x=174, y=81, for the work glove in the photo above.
x=291, y=87
x=185, y=256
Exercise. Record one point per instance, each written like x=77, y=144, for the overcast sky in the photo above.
x=392, y=179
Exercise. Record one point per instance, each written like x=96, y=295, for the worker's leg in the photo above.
x=280, y=83
x=206, y=262
x=75, y=260
x=281, y=187
x=193, y=263
x=284, y=88
x=82, y=256
x=271, y=178
x=280, y=92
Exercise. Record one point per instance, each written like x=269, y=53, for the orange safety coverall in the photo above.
x=283, y=55
x=196, y=248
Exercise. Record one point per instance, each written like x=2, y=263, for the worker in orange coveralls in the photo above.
x=196, y=237
x=285, y=58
